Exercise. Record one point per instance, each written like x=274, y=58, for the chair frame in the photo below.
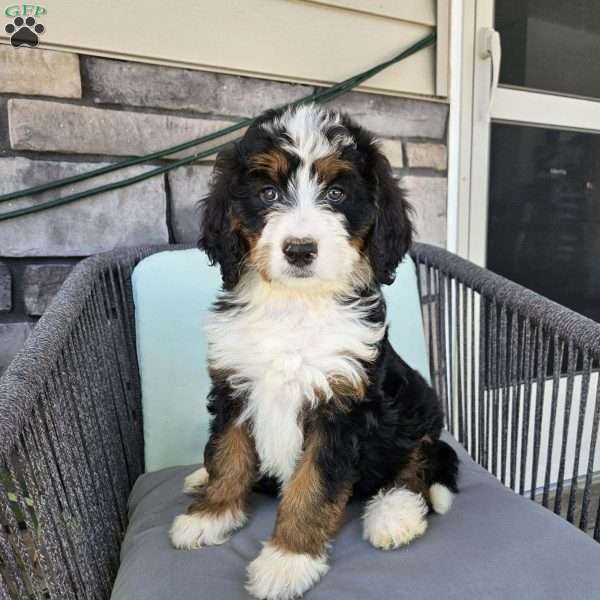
x=516, y=372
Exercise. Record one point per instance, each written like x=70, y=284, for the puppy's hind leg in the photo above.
x=444, y=476
x=394, y=517
x=398, y=514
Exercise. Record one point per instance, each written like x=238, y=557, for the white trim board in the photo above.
x=546, y=110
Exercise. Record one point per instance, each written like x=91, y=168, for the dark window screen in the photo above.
x=550, y=45
x=544, y=213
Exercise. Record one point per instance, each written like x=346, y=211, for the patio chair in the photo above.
x=84, y=495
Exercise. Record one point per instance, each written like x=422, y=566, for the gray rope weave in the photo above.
x=518, y=376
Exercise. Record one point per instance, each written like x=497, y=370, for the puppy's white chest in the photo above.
x=283, y=356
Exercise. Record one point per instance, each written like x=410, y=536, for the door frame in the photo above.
x=474, y=104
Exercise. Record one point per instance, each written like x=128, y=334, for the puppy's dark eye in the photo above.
x=268, y=194
x=335, y=194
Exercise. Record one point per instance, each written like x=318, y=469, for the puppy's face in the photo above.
x=307, y=208
x=307, y=200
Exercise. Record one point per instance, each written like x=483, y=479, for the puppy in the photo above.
x=309, y=399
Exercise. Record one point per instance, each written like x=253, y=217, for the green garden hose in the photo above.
x=321, y=96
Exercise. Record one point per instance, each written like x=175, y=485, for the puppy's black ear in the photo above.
x=392, y=233
x=219, y=237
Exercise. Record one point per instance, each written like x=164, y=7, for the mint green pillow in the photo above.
x=172, y=292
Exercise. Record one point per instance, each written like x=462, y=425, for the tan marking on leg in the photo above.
x=306, y=518
x=412, y=474
x=232, y=470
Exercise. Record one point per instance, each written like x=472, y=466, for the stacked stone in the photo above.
x=63, y=114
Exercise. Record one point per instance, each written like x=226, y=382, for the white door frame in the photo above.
x=460, y=124
x=471, y=113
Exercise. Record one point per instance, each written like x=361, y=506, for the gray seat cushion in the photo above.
x=493, y=544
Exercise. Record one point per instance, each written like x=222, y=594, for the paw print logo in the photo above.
x=24, y=32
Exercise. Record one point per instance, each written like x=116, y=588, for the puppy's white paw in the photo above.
x=394, y=518
x=195, y=480
x=277, y=574
x=441, y=498
x=197, y=529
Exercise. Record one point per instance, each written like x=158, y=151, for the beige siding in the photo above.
x=314, y=41
x=417, y=11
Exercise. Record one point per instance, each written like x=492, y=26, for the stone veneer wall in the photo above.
x=62, y=114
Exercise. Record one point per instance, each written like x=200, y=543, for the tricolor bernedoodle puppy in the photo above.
x=309, y=400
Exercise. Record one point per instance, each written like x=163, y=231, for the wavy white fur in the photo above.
x=394, y=518
x=306, y=127
x=277, y=574
x=195, y=530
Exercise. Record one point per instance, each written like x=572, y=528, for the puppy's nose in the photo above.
x=300, y=251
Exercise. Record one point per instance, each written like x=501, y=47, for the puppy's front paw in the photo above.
x=195, y=530
x=277, y=574
x=195, y=480
x=394, y=518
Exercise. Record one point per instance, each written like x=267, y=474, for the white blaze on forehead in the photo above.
x=306, y=128
x=304, y=187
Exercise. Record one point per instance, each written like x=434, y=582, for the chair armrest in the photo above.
x=71, y=438
x=518, y=376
